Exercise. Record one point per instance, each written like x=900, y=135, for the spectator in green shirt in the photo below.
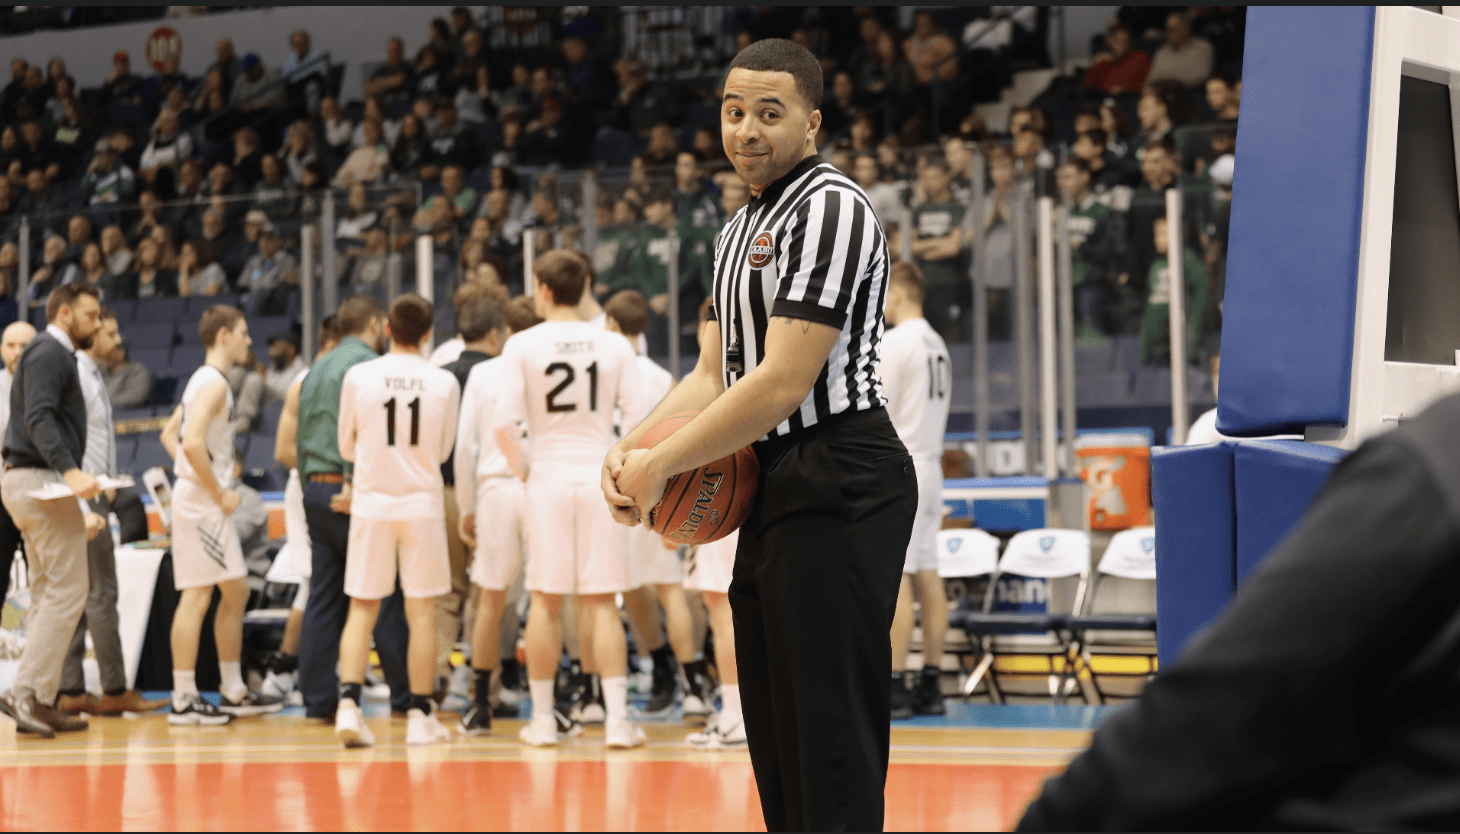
x=327, y=508
x=1096, y=243
x=615, y=257
x=937, y=248
x=1156, y=321
x=694, y=199
x=695, y=252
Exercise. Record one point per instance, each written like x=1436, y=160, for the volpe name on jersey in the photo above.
x=570, y=348
x=404, y=383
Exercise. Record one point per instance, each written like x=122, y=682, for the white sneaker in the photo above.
x=350, y=727
x=541, y=731
x=694, y=708
x=592, y=713
x=425, y=729
x=279, y=684
x=717, y=736
x=622, y=734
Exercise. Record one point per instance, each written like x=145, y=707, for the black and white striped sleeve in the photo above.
x=829, y=241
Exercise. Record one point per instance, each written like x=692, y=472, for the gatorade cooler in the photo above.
x=1116, y=468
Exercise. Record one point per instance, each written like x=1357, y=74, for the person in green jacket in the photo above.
x=1156, y=321
x=1097, y=242
x=696, y=253
x=616, y=256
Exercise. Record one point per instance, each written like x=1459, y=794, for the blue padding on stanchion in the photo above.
x=1276, y=481
x=1191, y=487
x=1292, y=263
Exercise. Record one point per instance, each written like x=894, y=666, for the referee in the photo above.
x=800, y=283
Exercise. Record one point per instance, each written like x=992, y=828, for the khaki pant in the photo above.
x=55, y=546
x=450, y=607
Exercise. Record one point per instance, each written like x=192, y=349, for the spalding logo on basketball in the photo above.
x=704, y=504
x=761, y=250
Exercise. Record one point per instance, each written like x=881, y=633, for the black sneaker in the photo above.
x=567, y=727
x=927, y=696
x=476, y=721
x=590, y=707
x=254, y=703
x=506, y=710
x=663, y=692
x=195, y=710
x=902, y=700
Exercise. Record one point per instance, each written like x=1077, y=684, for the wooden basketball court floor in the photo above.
x=974, y=770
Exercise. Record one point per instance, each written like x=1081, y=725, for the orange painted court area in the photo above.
x=285, y=773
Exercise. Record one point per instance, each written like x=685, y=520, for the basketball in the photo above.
x=704, y=504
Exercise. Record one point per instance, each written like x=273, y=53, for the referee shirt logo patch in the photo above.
x=761, y=250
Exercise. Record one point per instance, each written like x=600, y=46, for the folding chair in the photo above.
x=1028, y=603
x=1120, y=611
x=969, y=557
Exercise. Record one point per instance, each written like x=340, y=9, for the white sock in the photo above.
x=183, y=685
x=542, y=697
x=730, y=711
x=232, y=675
x=616, y=698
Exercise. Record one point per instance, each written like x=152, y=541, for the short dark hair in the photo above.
x=107, y=313
x=520, y=314
x=587, y=264
x=216, y=319
x=935, y=160
x=629, y=310
x=329, y=329
x=66, y=295
x=906, y=274
x=1161, y=143
x=563, y=275
x=1096, y=135
x=1078, y=164
x=357, y=312
x=411, y=318
x=781, y=55
x=479, y=316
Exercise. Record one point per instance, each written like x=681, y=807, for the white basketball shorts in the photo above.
x=653, y=563
x=379, y=549
x=712, y=565
x=205, y=545
x=501, y=534
x=922, y=548
x=573, y=543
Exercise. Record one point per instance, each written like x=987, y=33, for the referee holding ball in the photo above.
x=800, y=284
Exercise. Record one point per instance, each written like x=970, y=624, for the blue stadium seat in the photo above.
x=261, y=471
x=9, y=311
x=150, y=310
x=126, y=310
x=269, y=420
x=142, y=413
x=154, y=359
x=126, y=451
x=150, y=453
x=263, y=328
x=165, y=390
x=145, y=334
x=186, y=359
x=615, y=147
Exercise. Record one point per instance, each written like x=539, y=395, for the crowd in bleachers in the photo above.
x=152, y=184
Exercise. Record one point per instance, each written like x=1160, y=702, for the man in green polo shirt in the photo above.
x=326, y=478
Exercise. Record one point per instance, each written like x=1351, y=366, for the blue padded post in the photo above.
x=1276, y=481
x=1191, y=487
x=1296, y=206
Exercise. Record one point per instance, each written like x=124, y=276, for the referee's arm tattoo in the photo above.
x=803, y=323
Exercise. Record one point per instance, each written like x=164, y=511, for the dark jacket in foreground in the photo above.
x=1327, y=695
x=47, y=428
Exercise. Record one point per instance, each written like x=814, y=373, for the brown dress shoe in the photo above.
x=20, y=704
x=75, y=704
x=57, y=720
x=129, y=701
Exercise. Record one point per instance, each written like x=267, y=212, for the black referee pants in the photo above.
x=813, y=592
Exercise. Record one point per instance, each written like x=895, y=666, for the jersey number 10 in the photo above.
x=940, y=378
x=555, y=407
x=414, y=406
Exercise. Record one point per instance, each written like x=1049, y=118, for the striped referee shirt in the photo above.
x=809, y=247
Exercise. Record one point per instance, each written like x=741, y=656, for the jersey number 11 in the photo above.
x=415, y=408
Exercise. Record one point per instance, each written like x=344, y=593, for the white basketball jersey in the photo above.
x=220, y=430
x=474, y=436
x=655, y=383
x=564, y=379
x=917, y=379
x=398, y=424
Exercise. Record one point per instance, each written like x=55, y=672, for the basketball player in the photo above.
x=710, y=573
x=800, y=275
x=206, y=551
x=284, y=665
x=487, y=490
x=397, y=424
x=564, y=378
x=916, y=378
x=657, y=566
